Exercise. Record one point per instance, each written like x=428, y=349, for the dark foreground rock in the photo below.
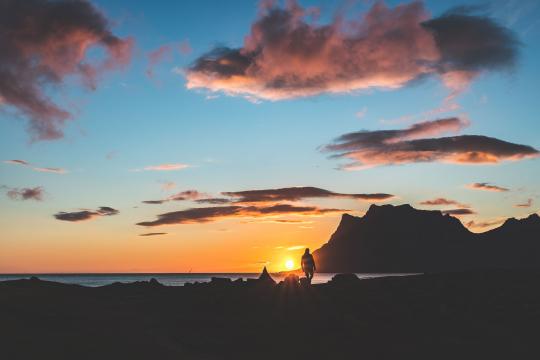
x=476, y=315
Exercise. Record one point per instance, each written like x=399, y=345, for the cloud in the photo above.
x=154, y=202
x=213, y=201
x=267, y=195
x=164, y=167
x=85, y=214
x=51, y=170
x=17, y=162
x=526, y=204
x=42, y=43
x=296, y=247
x=362, y=113
x=443, y=202
x=392, y=147
x=484, y=224
x=286, y=55
x=487, y=187
x=35, y=193
x=36, y=168
x=155, y=57
x=458, y=212
x=185, y=47
x=192, y=195
x=153, y=234
x=209, y=214
x=187, y=195
x=296, y=194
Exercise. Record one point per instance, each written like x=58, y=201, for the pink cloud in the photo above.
x=287, y=55
x=166, y=167
x=48, y=41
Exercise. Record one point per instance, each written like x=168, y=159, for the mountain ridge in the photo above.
x=401, y=238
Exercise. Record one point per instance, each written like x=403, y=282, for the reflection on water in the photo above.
x=166, y=279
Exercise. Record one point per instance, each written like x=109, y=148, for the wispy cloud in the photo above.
x=25, y=163
x=35, y=193
x=153, y=234
x=164, y=167
x=443, y=202
x=526, y=204
x=83, y=215
x=484, y=224
x=486, y=187
x=296, y=247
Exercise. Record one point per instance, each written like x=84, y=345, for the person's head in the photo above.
x=307, y=251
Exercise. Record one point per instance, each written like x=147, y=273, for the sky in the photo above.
x=212, y=136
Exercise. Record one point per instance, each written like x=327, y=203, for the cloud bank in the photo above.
x=42, y=43
x=285, y=55
x=393, y=147
x=84, y=215
x=208, y=214
x=268, y=196
x=296, y=194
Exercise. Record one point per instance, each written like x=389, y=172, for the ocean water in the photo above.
x=179, y=279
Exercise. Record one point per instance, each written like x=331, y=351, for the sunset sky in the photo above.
x=133, y=136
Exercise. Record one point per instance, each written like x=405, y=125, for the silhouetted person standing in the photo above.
x=308, y=265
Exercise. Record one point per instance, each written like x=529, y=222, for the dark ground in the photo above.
x=481, y=315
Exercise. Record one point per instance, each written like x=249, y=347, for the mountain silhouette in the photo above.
x=404, y=239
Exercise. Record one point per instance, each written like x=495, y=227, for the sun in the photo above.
x=289, y=264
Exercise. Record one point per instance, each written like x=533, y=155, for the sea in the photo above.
x=177, y=279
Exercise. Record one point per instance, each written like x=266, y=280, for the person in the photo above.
x=308, y=265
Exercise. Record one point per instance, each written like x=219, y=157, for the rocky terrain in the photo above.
x=468, y=315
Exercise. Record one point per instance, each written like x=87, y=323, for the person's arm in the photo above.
x=314, y=265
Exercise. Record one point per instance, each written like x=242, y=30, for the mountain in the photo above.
x=404, y=239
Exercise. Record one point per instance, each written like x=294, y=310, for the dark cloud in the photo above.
x=458, y=212
x=443, y=202
x=208, y=214
x=213, y=201
x=153, y=202
x=296, y=194
x=83, y=215
x=153, y=234
x=487, y=187
x=35, y=193
x=391, y=147
x=470, y=42
x=42, y=43
x=286, y=55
